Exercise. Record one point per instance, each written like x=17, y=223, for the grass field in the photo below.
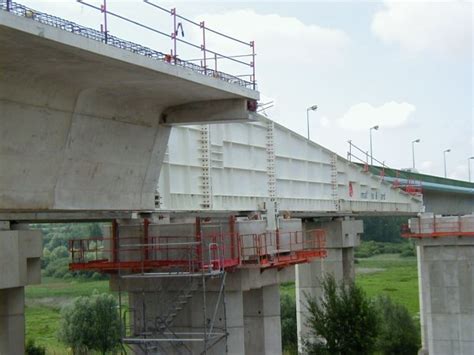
x=382, y=274
x=387, y=274
x=391, y=275
x=43, y=306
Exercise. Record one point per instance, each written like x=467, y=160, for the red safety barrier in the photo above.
x=209, y=251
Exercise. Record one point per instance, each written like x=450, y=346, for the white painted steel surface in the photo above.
x=240, y=167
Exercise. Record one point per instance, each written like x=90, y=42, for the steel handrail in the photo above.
x=24, y=11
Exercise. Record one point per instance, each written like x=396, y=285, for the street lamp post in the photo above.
x=370, y=134
x=469, y=166
x=444, y=155
x=413, y=150
x=311, y=108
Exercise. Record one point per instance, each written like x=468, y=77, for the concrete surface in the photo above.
x=448, y=203
x=446, y=281
x=80, y=120
x=12, y=321
x=20, y=265
x=262, y=321
x=20, y=253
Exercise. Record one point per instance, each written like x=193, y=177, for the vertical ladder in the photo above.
x=271, y=160
x=205, y=167
x=334, y=182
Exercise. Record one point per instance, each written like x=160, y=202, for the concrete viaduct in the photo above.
x=208, y=217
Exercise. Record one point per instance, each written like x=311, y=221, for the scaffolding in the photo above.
x=169, y=272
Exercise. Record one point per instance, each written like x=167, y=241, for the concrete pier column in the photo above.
x=342, y=235
x=235, y=322
x=232, y=319
x=446, y=285
x=20, y=252
x=262, y=320
x=12, y=320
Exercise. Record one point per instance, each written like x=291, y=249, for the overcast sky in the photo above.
x=403, y=65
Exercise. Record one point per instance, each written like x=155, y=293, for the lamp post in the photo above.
x=370, y=134
x=444, y=155
x=413, y=150
x=469, y=166
x=311, y=108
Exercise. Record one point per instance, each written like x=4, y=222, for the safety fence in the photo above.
x=409, y=185
x=140, y=251
x=209, y=56
x=432, y=226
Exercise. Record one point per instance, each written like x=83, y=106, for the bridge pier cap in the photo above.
x=85, y=125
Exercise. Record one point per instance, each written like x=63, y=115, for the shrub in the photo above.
x=33, y=349
x=289, y=334
x=398, y=333
x=408, y=250
x=91, y=323
x=57, y=268
x=344, y=320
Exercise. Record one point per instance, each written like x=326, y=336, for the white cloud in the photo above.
x=362, y=116
x=442, y=26
x=427, y=166
x=291, y=57
x=459, y=172
x=324, y=122
x=279, y=39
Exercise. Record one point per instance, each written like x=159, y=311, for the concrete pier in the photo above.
x=343, y=235
x=446, y=282
x=20, y=252
x=262, y=320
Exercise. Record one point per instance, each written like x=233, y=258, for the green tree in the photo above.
x=398, y=333
x=91, y=323
x=343, y=320
x=289, y=333
x=383, y=229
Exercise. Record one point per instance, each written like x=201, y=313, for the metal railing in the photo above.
x=105, y=37
x=409, y=185
x=212, y=252
x=439, y=227
x=365, y=157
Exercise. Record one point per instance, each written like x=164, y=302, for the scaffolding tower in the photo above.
x=170, y=290
x=175, y=275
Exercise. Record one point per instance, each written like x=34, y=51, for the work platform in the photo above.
x=199, y=247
